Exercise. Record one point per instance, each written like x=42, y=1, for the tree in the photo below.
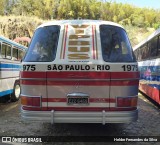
x=74, y=9
x=2, y=7
x=124, y=14
x=41, y=8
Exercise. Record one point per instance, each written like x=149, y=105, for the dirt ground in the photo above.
x=147, y=125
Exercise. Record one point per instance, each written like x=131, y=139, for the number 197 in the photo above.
x=130, y=68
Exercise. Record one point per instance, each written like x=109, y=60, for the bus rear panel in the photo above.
x=80, y=71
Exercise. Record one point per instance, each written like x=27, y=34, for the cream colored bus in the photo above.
x=80, y=71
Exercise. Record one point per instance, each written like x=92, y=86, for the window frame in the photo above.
x=6, y=46
x=15, y=48
x=122, y=38
x=32, y=44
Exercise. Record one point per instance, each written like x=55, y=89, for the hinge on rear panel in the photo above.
x=52, y=117
x=103, y=117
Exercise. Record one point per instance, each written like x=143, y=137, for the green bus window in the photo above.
x=15, y=54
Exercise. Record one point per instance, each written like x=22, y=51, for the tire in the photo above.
x=16, y=92
x=5, y=99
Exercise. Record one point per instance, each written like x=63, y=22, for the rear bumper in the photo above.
x=80, y=117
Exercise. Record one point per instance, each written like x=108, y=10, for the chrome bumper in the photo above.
x=80, y=117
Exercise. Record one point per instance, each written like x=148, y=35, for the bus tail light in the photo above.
x=31, y=101
x=127, y=101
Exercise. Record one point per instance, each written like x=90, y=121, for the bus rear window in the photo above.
x=115, y=44
x=43, y=47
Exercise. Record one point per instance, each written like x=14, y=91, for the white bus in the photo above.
x=79, y=71
x=148, y=56
x=11, y=54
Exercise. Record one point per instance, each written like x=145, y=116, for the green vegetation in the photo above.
x=124, y=14
x=137, y=34
x=18, y=26
x=20, y=17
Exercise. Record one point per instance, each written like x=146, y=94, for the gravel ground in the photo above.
x=147, y=125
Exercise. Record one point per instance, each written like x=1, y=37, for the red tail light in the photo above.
x=127, y=101
x=31, y=101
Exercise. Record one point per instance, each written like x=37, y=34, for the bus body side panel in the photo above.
x=9, y=72
x=149, y=79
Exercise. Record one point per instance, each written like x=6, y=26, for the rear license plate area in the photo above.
x=77, y=100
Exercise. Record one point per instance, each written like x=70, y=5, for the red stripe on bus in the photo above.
x=153, y=93
x=34, y=74
x=79, y=75
x=102, y=100
x=80, y=83
x=117, y=75
x=54, y=99
x=35, y=82
x=124, y=83
x=93, y=100
x=78, y=109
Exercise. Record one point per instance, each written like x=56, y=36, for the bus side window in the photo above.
x=159, y=45
x=44, y=44
x=153, y=47
x=6, y=51
x=145, y=51
x=20, y=55
x=0, y=47
x=15, y=54
x=3, y=51
x=116, y=49
x=115, y=44
x=140, y=54
x=136, y=54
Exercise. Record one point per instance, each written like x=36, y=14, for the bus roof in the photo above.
x=8, y=41
x=79, y=22
x=155, y=33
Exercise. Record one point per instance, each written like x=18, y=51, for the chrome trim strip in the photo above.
x=52, y=117
x=40, y=79
x=103, y=117
x=77, y=94
x=29, y=96
x=31, y=106
x=129, y=79
x=41, y=101
x=79, y=79
x=80, y=117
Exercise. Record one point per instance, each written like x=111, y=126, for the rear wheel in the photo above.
x=5, y=99
x=16, y=92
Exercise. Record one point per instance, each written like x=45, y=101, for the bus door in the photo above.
x=116, y=50
x=77, y=90
x=76, y=81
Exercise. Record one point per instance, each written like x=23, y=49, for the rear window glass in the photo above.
x=43, y=47
x=115, y=44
